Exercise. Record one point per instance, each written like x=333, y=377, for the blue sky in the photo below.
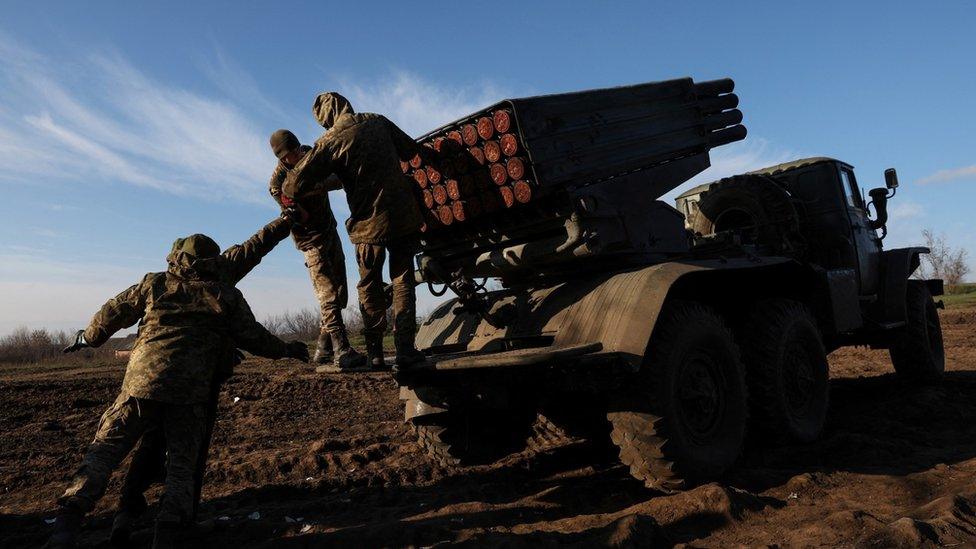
x=124, y=126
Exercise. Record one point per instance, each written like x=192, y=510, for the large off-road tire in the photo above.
x=753, y=206
x=917, y=350
x=682, y=419
x=786, y=372
x=473, y=437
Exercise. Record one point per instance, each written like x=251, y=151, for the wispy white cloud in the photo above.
x=46, y=233
x=101, y=158
x=101, y=120
x=944, y=176
x=902, y=211
x=236, y=83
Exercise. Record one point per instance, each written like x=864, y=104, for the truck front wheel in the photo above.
x=683, y=418
x=917, y=351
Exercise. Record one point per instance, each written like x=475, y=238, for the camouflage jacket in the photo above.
x=364, y=150
x=321, y=222
x=188, y=323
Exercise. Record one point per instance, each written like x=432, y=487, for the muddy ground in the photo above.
x=302, y=459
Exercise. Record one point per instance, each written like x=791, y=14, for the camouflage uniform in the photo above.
x=148, y=463
x=364, y=150
x=189, y=319
x=319, y=241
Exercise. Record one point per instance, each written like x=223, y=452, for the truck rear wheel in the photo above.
x=786, y=371
x=917, y=350
x=473, y=437
x=683, y=418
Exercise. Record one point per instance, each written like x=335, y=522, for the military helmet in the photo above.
x=199, y=246
x=283, y=142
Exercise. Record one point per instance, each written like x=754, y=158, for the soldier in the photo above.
x=189, y=318
x=148, y=463
x=364, y=150
x=316, y=237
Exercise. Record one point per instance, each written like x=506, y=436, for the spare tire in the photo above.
x=756, y=208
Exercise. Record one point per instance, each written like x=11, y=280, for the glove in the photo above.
x=79, y=343
x=297, y=350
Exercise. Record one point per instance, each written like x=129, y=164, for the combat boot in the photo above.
x=323, y=354
x=407, y=356
x=66, y=527
x=346, y=358
x=374, y=353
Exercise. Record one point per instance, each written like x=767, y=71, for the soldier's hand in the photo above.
x=79, y=343
x=297, y=350
x=295, y=214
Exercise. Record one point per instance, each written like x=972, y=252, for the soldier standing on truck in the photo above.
x=316, y=237
x=148, y=463
x=189, y=318
x=364, y=150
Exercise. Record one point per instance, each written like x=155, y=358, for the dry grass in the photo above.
x=26, y=346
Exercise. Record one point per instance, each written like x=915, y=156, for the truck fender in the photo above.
x=897, y=266
x=622, y=312
x=616, y=310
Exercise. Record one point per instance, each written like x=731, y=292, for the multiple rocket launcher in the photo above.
x=523, y=160
x=482, y=168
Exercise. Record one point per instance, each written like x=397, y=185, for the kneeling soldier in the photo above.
x=189, y=319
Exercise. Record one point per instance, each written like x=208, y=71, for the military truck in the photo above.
x=668, y=331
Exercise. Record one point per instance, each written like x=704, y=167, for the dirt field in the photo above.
x=307, y=460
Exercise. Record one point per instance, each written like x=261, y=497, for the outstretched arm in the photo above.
x=242, y=258
x=118, y=313
x=254, y=338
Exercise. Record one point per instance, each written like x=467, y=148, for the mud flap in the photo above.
x=844, y=302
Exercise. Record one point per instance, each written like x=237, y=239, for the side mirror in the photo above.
x=891, y=178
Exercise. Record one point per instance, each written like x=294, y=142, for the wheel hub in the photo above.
x=699, y=396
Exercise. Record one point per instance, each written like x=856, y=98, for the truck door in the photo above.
x=866, y=240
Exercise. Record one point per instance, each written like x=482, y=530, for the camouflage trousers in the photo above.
x=327, y=266
x=148, y=465
x=372, y=298
x=120, y=428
